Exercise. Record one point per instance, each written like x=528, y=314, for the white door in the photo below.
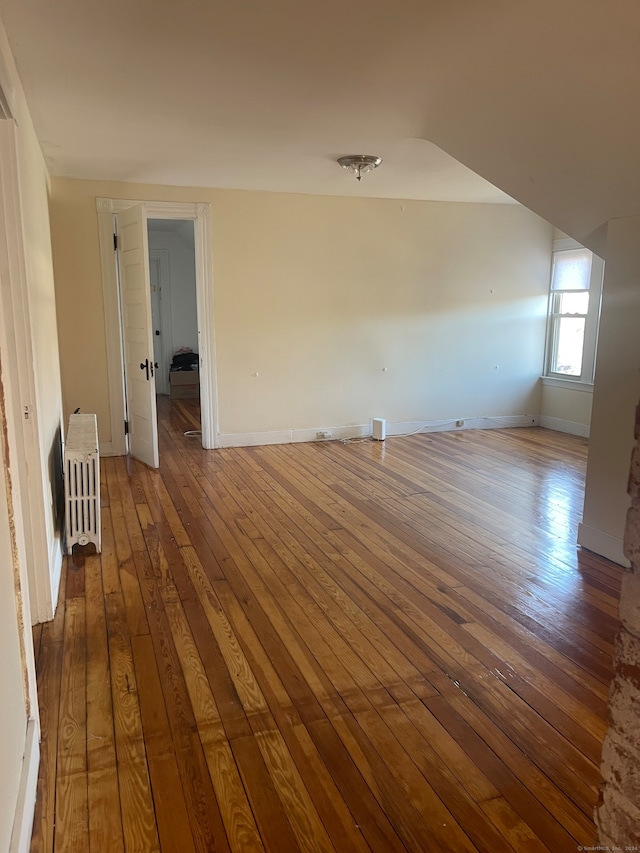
x=156, y=322
x=137, y=335
x=161, y=316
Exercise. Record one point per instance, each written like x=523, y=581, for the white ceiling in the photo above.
x=239, y=93
x=540, y=97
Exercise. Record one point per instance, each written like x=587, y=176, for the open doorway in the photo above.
x=198, y=215
x=174, y=317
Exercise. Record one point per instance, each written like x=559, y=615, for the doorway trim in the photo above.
x=161, y=257
x=200, y=214
x=43, y=567
x=25, y=551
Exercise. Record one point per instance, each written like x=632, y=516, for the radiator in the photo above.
x=82, y=482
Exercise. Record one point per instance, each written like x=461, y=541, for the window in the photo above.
x=574, y=311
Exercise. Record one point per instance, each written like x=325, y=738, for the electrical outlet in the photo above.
x=459, y=423
x=323, y=435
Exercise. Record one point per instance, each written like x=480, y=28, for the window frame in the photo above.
x=592, y=318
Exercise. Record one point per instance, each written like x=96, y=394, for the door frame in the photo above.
x=20, y=387
x=200, y=214
x=24, y=545
x=166, y=337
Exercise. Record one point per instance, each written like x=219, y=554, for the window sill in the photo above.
x=568, y=384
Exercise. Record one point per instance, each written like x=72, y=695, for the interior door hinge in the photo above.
x=126, y=427
x=115, y=242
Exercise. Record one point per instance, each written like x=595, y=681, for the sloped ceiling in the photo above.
x=540, y=98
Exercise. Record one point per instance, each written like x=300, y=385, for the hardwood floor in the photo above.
x=366, y=646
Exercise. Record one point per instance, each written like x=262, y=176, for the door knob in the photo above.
x=144, y=365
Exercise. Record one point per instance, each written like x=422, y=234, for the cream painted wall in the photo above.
x=321, y=294
x=616, y=393
x=318, y=294
x=566, y=409
x=74, y=235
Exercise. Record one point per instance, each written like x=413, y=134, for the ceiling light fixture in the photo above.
x=360, y=164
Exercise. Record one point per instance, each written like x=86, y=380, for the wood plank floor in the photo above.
x=350, y=647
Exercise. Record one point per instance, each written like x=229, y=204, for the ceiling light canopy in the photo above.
x=359, y=164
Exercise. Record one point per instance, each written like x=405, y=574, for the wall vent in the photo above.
x=82, y=482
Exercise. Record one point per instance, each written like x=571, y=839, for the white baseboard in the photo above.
x=564, y=426
x=338, y=433
x=450, y=425
x=252, y=439
x=107, y=449
x=602, y=543
x=26, y=804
